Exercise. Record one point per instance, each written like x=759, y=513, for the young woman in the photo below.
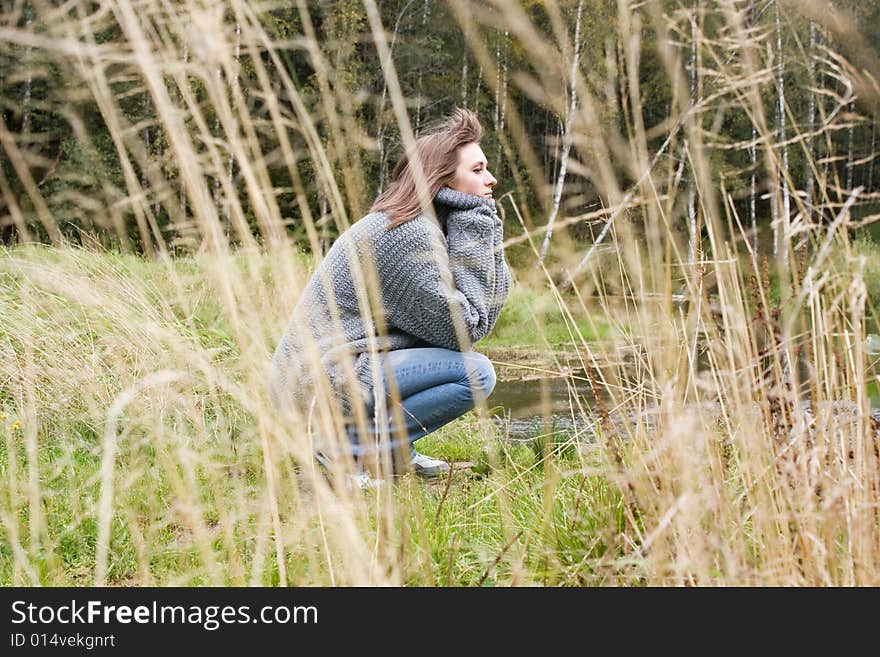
x=389, y=317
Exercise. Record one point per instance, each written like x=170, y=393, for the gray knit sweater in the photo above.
x=425, y=270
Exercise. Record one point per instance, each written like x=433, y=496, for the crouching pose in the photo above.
x=400, y=364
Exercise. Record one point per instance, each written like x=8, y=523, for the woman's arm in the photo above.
x=502, y=274
x=428, y=281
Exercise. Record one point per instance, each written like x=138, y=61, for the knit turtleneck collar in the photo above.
x=460, y=200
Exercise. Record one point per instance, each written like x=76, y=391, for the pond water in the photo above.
x=536, y=392
x=524, y=409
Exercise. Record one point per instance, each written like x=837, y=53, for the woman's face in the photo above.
x=471, y=174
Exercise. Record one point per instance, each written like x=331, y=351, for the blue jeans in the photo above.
x=435, y=386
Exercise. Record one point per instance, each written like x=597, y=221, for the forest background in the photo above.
x=68, y=175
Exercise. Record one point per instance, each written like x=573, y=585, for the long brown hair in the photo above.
x=437, y=150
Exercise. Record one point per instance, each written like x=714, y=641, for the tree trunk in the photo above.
x=325, y=230
x=849, y=149
x=753, y=218
x=221, y=204
x=426, y=11
x=215, y=183
x=230, y=165
x=497, y=82
x=692, y=191
x=29, y=74
x=464, y=72
x=611, y=78
x=566, y=134
x=477, y=90
x=551, y=160
x=811, y=123
x=147, y=136
x=501, y=93
x=182, y=190
x=870, y=179
x=380, y=128
x=783, y=229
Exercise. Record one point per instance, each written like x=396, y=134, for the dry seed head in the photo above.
x=205, y=36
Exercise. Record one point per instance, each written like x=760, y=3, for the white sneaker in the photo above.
x=362, y=481
x=359, y=480
x=427, y=466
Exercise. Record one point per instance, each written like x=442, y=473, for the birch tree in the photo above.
x=849, y=146
x=692, y=192
x=383, y=98
x=566, y=134
x=501, y=86
x=753, y=187
x=464, y=73
x=782, y=223
x=811, y=121
x=871, y=151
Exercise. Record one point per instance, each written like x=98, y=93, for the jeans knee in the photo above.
x=483, y=372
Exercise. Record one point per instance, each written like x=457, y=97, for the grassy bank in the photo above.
x=134, y=416
x=139, y=448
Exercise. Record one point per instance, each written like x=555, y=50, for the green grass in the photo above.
x=532, y=318
x=504, y=500
x=165, y=364
x=79, y=331
x=505, y=493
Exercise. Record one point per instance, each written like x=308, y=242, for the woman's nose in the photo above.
x=491, y=182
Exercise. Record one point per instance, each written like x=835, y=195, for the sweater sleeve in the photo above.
x=427, y=280
x=502, y=274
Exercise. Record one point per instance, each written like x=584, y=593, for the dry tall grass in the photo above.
x=735, y=447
